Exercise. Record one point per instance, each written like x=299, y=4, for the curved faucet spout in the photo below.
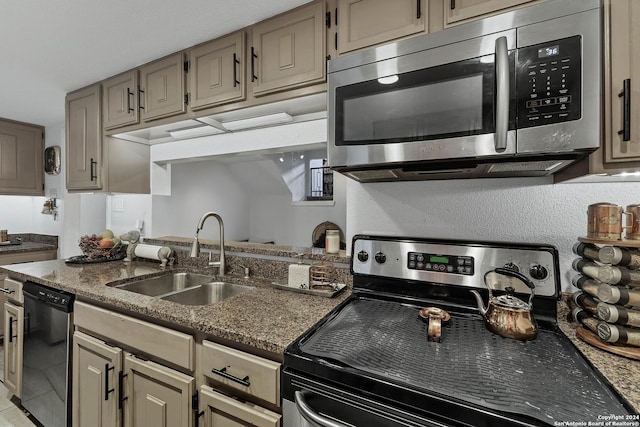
x=195, y=246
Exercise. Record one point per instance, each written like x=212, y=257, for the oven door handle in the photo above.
x=502, y=93
x=310, y=415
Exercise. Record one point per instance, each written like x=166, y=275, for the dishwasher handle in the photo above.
x=310, y=415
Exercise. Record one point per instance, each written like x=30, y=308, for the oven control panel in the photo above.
x=440, y=263
x=453, y=262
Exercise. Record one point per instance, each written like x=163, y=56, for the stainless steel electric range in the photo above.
x=370, y=363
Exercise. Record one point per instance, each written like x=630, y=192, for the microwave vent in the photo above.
x=541, y=166
x=372, y=175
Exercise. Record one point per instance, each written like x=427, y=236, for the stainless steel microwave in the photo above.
x=516, y=94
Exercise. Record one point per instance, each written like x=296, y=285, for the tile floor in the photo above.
x=10, y=414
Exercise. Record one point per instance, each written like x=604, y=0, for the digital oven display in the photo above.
x=548, y=51
x=441, y=263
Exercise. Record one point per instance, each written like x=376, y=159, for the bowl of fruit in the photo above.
x=104, y=246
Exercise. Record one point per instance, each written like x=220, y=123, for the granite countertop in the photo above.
x=29, y=243
x=623, y=373
x=265, y=318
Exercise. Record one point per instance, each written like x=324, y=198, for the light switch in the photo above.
x=117, y=205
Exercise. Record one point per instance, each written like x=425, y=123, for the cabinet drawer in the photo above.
x=14, y=288
x=169, y=345
x=222, y=364
x=221, y=410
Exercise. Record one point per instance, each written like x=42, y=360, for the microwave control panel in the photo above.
x=549, y=82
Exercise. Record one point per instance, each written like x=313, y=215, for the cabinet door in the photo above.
x=288, y=51
x=364, y=23
x=458, y=10
x=95, y=382
x=120, y=100
x=84, y=139
x=223, y=411
x=217, y=72
x=21, y=159
x=624, y=63
x=156, y=395
x=162, y=85
x=13, y=345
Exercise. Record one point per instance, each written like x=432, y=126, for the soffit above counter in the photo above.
x=296, y=110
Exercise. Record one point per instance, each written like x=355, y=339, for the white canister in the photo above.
x=332, y=241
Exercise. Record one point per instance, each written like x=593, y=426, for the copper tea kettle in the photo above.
x=507, y=315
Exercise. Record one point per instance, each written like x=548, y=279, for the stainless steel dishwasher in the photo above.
x=48, y=327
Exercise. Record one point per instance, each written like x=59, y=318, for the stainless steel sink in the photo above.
x=161, y=285
x=207, y=293
x=184, y=288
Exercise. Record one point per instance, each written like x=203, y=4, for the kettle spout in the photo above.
x=481, y=307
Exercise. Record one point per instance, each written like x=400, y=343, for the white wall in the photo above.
x=197, y=188
x=516, y=209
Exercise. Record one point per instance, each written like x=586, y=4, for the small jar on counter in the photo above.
x=332, y=241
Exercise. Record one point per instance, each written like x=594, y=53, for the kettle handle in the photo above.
x=517, y=275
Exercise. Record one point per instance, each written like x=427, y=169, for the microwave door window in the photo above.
x=442, y=102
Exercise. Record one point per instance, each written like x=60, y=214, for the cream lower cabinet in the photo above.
x=13, y=347
x=95, y=382
x=114, y=386
x=219, y=410
x=156, y=395
x=248, y=382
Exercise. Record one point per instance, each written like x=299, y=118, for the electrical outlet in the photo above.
x=117, y=205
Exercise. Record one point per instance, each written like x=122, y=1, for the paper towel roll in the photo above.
x=298, y=275
x=147, y=251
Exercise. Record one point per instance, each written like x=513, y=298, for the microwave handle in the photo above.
x=502, y=94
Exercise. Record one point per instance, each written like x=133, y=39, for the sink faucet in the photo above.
x=195, y=246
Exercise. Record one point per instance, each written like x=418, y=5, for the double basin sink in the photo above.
x=184, y=288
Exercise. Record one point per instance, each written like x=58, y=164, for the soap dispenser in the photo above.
x=299, y=274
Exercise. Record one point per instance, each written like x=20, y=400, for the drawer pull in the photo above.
x=223, y=373
x=6, y=291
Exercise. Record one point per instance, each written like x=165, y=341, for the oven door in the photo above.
x=309, y=403
x=453, y=101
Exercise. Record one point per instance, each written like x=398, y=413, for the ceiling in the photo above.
x=50, y=48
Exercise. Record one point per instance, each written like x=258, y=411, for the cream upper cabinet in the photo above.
x=363, y=23
x=288, y=51
x=96, y=366
x=120, y=100
x=459, y=10
x=622, y=81
x=162, y=85
x=13, y=347
x=217, y=72
x=156, y=395
x=21, y=158
x=84, y=139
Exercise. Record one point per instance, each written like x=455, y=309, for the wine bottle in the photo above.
x=618, y=335
x=586, y=250
x=618, y=314
x=586, y=284
x=619, y=256
x=585, y=318
x=618, y=295
x=607, y=273
x=585, y=301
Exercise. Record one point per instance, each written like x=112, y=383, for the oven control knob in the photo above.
x=363, y=256
x=381, y=258
x=511, y=266
x=538, y=272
